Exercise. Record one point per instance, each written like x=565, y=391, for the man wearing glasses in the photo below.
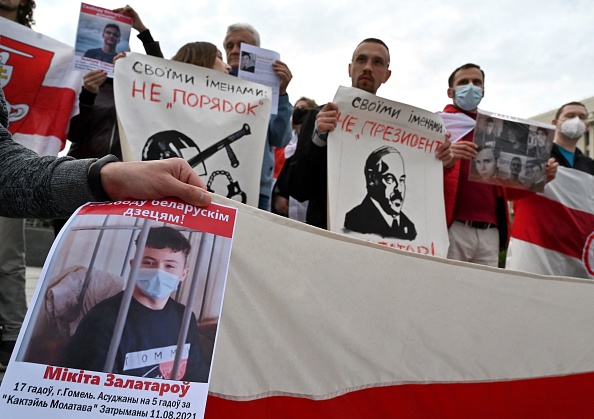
x=369, y=69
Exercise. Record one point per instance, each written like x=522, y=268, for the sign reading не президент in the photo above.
x=384, y=182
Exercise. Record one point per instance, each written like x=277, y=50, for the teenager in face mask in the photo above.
x=149, y=339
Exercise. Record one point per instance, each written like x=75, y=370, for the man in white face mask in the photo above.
x=149, y=339
x=571, y=122
x=552, y=216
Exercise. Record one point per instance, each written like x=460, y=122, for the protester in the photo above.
x=279, y=128
x=13, y=302
x=368, y=69
x=571, y=123
x=476, y=213
x=49, y=187
x=94, y=130
x=282, y=202
x=202, y=54
x=19, y=11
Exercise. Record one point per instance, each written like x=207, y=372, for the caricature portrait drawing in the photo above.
x=381, y=210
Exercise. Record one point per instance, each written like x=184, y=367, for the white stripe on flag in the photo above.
x=572, y=188
x=312, y=313
x=528, y=257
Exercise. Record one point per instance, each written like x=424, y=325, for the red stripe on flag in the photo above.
x=537, y=219
x=49, y=115
x=553, y=397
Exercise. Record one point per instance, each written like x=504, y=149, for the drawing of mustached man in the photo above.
x=381, y=210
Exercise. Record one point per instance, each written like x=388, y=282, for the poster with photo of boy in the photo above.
x=101, y=35
x=127, y=297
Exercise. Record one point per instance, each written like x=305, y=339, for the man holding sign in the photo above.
x=279, y=127
x=368, y=69
x=13, y=304
x=476, y=213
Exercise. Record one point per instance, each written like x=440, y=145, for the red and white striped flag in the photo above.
x=320, y=325
x=553, y=232
x=40, y=85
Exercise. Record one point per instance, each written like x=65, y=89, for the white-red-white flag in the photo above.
x=40, y=85
x=553, y=232
x=321, y=325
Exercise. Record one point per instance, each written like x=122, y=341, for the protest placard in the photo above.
x=512, y=152
x=125, y=315
x=100, y=36
x=384, y=181
x=217, y=122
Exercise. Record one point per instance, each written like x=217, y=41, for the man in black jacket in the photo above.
x=368, y=69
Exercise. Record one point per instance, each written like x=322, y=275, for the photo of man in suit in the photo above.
x=381, y=210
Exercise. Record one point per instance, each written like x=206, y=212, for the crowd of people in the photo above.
x=477, y=213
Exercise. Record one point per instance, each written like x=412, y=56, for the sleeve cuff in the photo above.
x=87, y=98
x=319, y=139
x=145, y=36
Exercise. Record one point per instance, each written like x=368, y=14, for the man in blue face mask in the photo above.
x=149, y=339
x=476, y=213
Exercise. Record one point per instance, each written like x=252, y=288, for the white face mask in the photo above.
x=156, y=283
x=573, y=128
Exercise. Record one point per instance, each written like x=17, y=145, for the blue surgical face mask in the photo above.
x=156, y=283
x=468, y=97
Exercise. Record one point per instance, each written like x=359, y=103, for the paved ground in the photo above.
x=32, y=278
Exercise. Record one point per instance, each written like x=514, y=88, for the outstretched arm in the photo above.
x=154, y=180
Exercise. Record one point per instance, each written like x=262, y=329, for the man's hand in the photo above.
x=462, y=150
x=154, y=180
x=136, y=22
x=551, y=169
x=444, y=152
x=120, y=55
x=283, y=72
x=93, y=79
x=327, y=118
x=281, y=205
